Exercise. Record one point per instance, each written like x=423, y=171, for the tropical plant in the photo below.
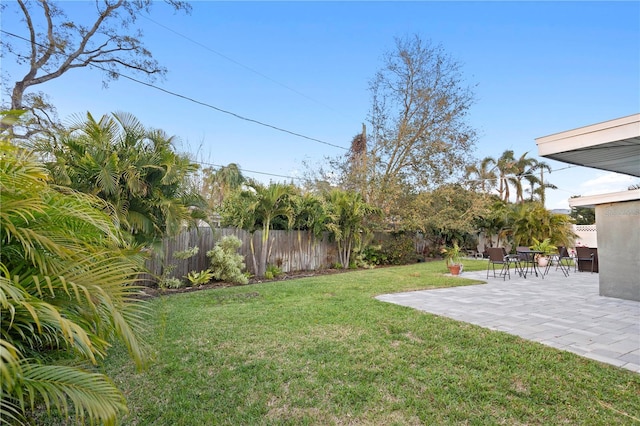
x=258, y=207
x=133, y=168
x=199, y=277
x=65, y=272
x=506, y=167
x=272, y=272
x=531, y=219
x=543, y=246
x=218, y=184
x=452, y=255
x=482, y=175
x=348, y=224
x=226, y=263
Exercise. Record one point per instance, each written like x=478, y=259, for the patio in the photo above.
x=566, y=313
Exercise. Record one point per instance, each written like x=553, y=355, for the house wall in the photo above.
x=619, y=249
x=587, y=235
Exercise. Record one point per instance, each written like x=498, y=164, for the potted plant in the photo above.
x=453, y=258
x=546, y=248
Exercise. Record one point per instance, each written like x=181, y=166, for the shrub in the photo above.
x=170, y=283
x=199, y=278
x=272, y=272
x=397, y=250
x=65, y=272
x=226, y=263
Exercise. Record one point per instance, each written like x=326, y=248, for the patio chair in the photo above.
x=584, y=255
x=563, y=260
x=499, y=256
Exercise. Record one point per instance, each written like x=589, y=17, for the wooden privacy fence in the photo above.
x=289, y=250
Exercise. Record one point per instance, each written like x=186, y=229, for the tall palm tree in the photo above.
x=505, y=166
x=521, y=168
x=482, y=175
x=64, y=267
x=542, y=186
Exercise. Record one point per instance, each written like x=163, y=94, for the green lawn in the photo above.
x=323, y=351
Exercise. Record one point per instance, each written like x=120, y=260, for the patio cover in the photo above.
x=612, y=145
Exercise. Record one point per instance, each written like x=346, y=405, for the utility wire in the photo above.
x=187, y=98
x=266, y=77
x=219, y=166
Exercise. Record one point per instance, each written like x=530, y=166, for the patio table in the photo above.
x=528, y=257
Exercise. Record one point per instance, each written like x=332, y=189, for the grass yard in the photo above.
x=322, y=351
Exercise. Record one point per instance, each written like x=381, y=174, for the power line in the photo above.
x=187, y=98
x=219, y=166
x=266, y=77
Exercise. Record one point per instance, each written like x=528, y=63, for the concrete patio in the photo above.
x=566, y=313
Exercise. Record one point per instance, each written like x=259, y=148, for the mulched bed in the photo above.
x=151, y=292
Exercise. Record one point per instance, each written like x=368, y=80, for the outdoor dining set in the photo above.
x=526, y=261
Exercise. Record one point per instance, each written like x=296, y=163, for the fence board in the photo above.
x=289, y=250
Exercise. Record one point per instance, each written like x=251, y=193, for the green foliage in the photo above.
x=200, y=277
x=529, y=220
x=396, y=250
x=544, y=246
x=186, y=254
x=226, y=263
x=348, y=221
x=65, y=274
x=272, y=272
x=261, y=208
x=452, y=255
x=583, y=215
x=171, y=283
x=134, y=169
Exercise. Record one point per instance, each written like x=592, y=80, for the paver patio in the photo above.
x=564, y=312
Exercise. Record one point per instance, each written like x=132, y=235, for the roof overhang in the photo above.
x=612, y=145
x=612, y=197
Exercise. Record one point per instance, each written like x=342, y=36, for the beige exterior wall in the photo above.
x=619, y=249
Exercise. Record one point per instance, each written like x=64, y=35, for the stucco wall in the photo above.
x=619, y=249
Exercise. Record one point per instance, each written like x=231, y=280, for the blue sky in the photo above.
x=537, y=68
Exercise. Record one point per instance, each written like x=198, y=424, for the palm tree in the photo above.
x=221, y=182
x=521, y=169
x=531, y=220
x=133, y=168
x=348, y=221
x=64, y=267
x=310, y=217
x=542, y=185
x=483, y=175
x=505, y=166
x=255, y=209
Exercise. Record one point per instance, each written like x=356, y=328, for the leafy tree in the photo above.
x=583, y=215
x=105, y=38
x=133, y=168
x=419, y=135
x=348, y=221
x=64, y=270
